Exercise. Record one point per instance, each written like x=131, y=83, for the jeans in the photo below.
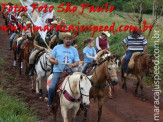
x=11, y=38
x=19, y=44
x=53, y=84
x=84, y=67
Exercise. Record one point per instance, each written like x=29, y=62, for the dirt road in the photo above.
x=125, y=107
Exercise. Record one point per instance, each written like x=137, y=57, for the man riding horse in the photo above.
x=25, y=34
x=133, y=43
x=17, y=25
x=62, y=56
x=39, y=44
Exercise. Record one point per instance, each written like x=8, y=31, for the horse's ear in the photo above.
x=81, y=77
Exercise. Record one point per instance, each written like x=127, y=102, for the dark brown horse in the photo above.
x=143, y=65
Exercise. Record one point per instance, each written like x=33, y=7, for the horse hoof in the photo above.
x=136, y=94
x=33, y=90
x=45, y=99
x=41, y=98
x=85, y=118
x=143, y=99
x=110, y=97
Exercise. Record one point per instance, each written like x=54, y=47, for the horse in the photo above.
x=42, y=69
x=143, y=65
x=16, y=59
x=73, y=92
x=27, y=48
x=105, y=69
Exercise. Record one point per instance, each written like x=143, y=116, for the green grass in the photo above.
x=3, y=63
x=14, y=110
x=9, y=76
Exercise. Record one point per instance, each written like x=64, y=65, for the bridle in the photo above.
x=106, y=73
x=46, y=65
x=72, y=98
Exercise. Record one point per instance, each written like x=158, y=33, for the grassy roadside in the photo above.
x=13, y=109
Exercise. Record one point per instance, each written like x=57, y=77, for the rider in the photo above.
x=102, y=41
x=25, y=33
x=17, y=25
x=39, y=44
x=89, y=53
x=62, y=55
x=133, y=43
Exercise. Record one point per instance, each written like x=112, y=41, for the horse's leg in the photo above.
x=110, y=91
x=141, y=87
x=100, y=103
x=32, y=78
x=14, y=63
x=40, y=87
x=37, y=84
x=73, y=113
x=20, y=63
x=124, y=86
x=137, y=86
x=54, y=111
x=64, y=114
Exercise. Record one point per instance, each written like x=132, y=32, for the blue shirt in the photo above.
x=91, y=52
x=64, y=56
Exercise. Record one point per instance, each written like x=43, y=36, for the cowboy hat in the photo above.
x=54, y=22
x=28, y=22
x=19, y=18
x=106, y=33
x=63, y=35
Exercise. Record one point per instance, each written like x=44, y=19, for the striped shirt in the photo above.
x=135, y=44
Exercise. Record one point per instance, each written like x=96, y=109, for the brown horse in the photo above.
x=143, y=65
x=26, y=49
x=106, y=69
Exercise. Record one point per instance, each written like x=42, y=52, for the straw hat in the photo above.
x=63, y=35
x=28, y=22
x=54, y=22
x=106, y=33
x=19, y=18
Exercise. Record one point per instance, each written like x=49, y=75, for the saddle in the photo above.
x=24, y=44
x=132, y=59
x=38, y=55
x=90, y=68
x=18, y=39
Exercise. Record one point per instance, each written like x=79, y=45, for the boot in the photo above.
x=31, y=68
x=125, y=74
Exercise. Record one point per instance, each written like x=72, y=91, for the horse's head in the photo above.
x=85, y=86
x=111, y=69
x=30, y=45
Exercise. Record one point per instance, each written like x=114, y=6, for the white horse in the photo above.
x=43, y=69
x=73, y=92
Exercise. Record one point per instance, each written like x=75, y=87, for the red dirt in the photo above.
x=125, y=107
